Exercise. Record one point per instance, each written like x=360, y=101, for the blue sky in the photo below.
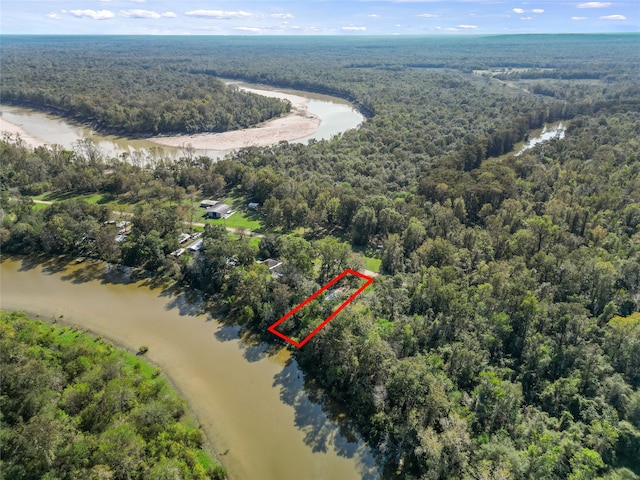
x=316, y=17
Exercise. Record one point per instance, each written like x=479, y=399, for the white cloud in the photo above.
x=281, y=15
x=613, y=17
x=428, y=15
x=105, y=1
x=373, y=15
x=460, y=28
x=53, y=16
x=169, y=15
x=595, y=5
x=518, y=10
x=526, y=18
x=139, y=14
x=219, y=14
x=578, y=18
x=94, y=14
x=537, y=10
x=138, y=1
x=248, y=29
x=354, y=29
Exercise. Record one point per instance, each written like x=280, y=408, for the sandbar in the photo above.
x=299, y=123
x=11, y=130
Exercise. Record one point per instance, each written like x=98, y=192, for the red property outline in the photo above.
x=368, y=282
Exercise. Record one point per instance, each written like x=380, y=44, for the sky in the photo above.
x=317, y=17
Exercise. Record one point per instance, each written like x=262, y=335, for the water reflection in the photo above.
x=550, y=132
x=250, y=396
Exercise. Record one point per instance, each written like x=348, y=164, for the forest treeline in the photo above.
x=502, y=339
x=129, y=97
x=73, y=406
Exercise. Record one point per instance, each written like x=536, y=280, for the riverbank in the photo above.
x=283, y=435
x=8, y=128
x=298, y=123
x=60, y=339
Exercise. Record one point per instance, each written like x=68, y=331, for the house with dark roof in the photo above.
x=219, y=211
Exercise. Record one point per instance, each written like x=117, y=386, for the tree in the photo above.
x=363, y=225
x=334, y=256
x=392, y=256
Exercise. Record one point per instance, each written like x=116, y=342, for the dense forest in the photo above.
x=74, y=406
x=502, y=339
x=129, y=97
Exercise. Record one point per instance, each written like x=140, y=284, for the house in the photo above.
x=218, y=211
x=273, y=266
x=196, y=246
x=253, y=206
x=123, y=227
x=208, y=203
x=271, y=263
x=183, y=237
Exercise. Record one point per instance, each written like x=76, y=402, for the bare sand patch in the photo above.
x=299, y=123
x=11, y=130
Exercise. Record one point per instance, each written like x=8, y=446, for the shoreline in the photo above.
x=203, y=358
x=13, y=130
x=296, y=124
x=61, y=321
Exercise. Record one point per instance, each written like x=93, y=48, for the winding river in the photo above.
x=250, y=401
x=333, y=116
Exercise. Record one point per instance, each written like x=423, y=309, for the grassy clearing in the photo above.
x=255, y=242
x=372, y=264
x=39, y=206
x=69, y=335
x=248, y=221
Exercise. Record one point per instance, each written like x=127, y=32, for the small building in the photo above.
x=253, y=206
x=183, y=237
x=196, y=246
x=219, y=211
x=123, y=227
x=208, y=203
x=271, y=263
x=273, y=266
x=177, y=253
x=120, y=238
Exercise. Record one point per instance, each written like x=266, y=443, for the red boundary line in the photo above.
x=273, y=330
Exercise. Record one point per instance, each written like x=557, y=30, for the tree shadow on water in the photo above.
x=105, y=273
x=187, y=305
x=26, y=263
x=227, y=333
x=322, y=431
x=253, y=346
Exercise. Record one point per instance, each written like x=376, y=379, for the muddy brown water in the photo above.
x=249, y=400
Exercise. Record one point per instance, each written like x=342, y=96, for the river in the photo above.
x=334, y=114
x=250, y=401
x=548, y=132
